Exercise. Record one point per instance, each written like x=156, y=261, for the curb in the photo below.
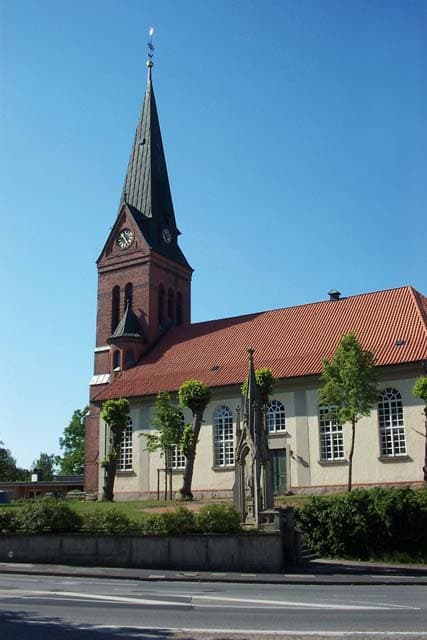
x=308, y=575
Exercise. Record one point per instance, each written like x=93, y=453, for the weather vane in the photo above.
x=150, y=48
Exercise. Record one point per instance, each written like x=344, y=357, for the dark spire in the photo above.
x=146, y=186
x=128, y=326
x=251, y=400
x=146, y=190
x=252, y=394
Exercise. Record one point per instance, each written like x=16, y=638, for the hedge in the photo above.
x=366, y=523
x=48, y=515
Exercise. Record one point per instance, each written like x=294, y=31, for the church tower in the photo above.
x=144, y=279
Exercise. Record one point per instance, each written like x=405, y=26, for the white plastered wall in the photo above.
x=368, y=465
x=300, y=441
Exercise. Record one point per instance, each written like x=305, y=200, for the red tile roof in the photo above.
x=292, y=342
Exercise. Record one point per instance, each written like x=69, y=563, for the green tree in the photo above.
x=115, y=414
x=168, y=422
x=265, y=383
x=45, y=466
x=7, y=465
x=72, y=443
x=350, y=387
x=419, y=390
x=194, y=395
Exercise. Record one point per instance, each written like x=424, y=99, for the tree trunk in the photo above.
x=425, y=449
x=187, y=479
x=350, y=455
x=111, y=467
x=110, y=475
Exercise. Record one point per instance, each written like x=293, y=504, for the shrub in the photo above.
x=366, y=522
x=153, y=525
x=47, y=515
x=179, y=521
x=218, y=518
x=7, y=521
x=108, y=521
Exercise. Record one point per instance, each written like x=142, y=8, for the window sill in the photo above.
x=401, y=458
x=276, y=434
x=126, y=472
x=333, y=463
x=230, y=467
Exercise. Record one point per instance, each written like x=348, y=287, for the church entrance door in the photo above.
x=278, y=470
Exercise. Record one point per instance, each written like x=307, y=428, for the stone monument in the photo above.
x=253, y=490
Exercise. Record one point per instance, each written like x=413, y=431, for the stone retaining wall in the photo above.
x=243, y=552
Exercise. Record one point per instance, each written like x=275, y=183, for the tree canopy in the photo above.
x=167, y=420
x=349, y=386
x=195, y=395
x=72, y=443
x=45, y=466
x=9, y=472
x=419, y=390
x=265, y=382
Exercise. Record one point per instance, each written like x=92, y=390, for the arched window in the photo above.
x=161, y=305
x=129, y=358
x=115, y=308
x=331, y=435
x=116, y=359
x=125, y=461
x=392, y=428
x=177, y=457
x=178, y=309
x=128, y=295
x=275, y=416
x=223, y=437
x=171, y=310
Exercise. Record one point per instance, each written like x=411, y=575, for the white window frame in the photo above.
x=125, y=461
x=223, y=433
x=177, y=458
x=275, y=416
x=331, y=436
x=391, y=424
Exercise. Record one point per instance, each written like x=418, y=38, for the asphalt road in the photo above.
x=62, y=608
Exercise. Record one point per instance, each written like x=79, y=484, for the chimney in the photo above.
x=334, y=294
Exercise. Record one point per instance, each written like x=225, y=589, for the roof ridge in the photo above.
x=291, y=341
x=416, y=295
x=297, y=306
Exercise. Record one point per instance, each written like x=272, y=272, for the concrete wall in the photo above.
x=244, y=552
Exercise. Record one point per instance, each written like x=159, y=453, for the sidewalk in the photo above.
x=331, y=572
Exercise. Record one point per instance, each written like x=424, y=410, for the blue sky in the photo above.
x=296, y=141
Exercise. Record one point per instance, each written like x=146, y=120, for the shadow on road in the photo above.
x=347, y=567
x=28, y=625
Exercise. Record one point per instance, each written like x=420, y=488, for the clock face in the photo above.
x=125, y=238
x=166, y=235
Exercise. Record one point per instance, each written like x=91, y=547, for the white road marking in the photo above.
x=242, y=632
x=93, y=596
x=200, y=600
x=308, y=605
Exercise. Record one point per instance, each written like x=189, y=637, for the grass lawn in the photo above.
x=138, y=509
x=134, y=509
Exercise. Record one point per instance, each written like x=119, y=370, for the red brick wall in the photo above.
x=92, y=449
x=146, y=271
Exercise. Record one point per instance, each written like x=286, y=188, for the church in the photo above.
x=146, y=343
